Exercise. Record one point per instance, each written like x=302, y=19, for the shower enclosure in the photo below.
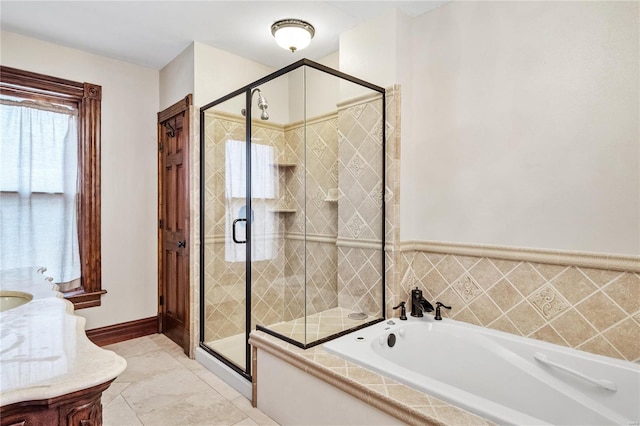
x=292, y=211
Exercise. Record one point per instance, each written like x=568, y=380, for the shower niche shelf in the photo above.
x=332, y=196
x=283, y=211
x=284, y=164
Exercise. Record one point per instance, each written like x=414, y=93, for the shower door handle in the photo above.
x=233, y=231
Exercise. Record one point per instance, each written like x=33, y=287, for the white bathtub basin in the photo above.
x=13, y=299
x=502, y=377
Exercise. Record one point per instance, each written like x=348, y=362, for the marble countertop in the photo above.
x=44, y=351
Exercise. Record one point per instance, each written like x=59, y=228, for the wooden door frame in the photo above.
x=177, y=108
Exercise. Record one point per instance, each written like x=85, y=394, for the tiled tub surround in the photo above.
x=498, y=375
x=399, y=403
x=581, y=300
x=591, y=309
x=516, y=289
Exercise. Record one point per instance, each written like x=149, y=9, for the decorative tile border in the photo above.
x=553, y=257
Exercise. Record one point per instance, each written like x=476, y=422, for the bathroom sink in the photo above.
x=13, y=299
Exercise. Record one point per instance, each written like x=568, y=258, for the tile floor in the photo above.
x=163, y=387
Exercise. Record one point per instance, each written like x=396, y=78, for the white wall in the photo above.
x=381, y=52
x=177, y=78
x=527, y=126
x=219, y=72
x=369, y=51
x=129, y=170
x=321, y=91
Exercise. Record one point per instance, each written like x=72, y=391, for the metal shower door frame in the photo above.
x=247, y=90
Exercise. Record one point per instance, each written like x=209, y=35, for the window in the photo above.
x=76, y=106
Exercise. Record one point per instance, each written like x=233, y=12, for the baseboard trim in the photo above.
x=124, y=331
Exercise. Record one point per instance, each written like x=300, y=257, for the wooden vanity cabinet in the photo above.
x=81, y=408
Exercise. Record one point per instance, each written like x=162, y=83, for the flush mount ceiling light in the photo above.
x=292, y=34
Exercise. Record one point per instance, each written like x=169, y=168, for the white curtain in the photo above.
x=38, y=181
x=264, y=187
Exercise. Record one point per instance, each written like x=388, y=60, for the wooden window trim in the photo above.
x=88, y=98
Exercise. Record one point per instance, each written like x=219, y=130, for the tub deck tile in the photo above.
x=394, y=398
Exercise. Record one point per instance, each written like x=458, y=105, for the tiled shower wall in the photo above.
x=360, y=232
x=278, y=284
x=307, y=186
x=590, y=308
x=224, y=293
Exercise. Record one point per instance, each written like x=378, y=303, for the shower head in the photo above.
x=262, y=104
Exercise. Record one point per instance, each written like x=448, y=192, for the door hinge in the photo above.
x=160, y=147
x=160, y=224
x=161, y=301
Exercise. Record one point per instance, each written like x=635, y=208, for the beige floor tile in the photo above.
x=149, y=364
x=113, y=392
x=164, y=389
x=256, y=415
x=119, y=414
x=246, y=422
x=191, y=364
x=133, y=347
x=218, y=384
x=162, y=386
x=205, y=408
x=167, y=345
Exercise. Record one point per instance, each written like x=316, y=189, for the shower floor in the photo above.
x=318, y=326
x=233, y=348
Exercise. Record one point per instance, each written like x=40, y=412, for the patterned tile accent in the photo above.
x=589, y=309
x=548, y=301
x=467, y=288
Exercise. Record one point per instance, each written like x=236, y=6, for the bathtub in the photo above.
x=505, y=378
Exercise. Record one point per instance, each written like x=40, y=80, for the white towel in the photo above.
x=262, y=170
x=264, y=187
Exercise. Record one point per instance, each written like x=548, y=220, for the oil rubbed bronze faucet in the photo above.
x=403, y=311
x=438, y=306
x=419, y=304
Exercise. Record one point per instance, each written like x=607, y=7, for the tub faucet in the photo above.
x=439, y=305
x=403, y=311
x=419, y=304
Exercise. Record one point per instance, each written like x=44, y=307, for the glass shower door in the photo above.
x=292, y=193
x=271, y=204
x=225, y=228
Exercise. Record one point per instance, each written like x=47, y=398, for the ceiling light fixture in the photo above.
x=292, y=34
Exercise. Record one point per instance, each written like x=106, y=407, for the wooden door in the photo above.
x=173, y=212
